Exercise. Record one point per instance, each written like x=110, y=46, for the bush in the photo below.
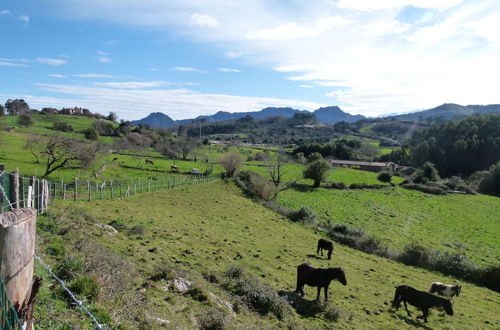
x=317, y=171
x=424, y=188
x=490, y=184
x=365, y=186
x=337, y=185
x=118, y=225
x=331, y=313
x=62, y=126
x=85, y=286
x=213, y=319
x=197, y=294
x=90, y=134
x=385, y=177
x=56, y=248
x=255, y=295
x=305, y=215
x=231, y=162
x=24, y=120
x=68, y=268
x=256, y=186
x=427, y=173
x=415, y=255
x=104, y=128
x=137, y=230
x=489, y=277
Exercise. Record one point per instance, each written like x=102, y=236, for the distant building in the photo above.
x=366, y=166
x=76, y=111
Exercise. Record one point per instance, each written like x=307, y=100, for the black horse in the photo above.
x=318, y=277
x=420, y=299
x=324, y=244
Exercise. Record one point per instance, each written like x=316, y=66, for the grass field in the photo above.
x=460, y=223
x=206, y=229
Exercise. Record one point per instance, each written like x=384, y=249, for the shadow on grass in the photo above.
x=313, y=256
x=410, y=321
x=304, y=307
x=302, y=187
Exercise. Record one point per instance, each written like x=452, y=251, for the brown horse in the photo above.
x=115, y=159
x=318, y=277
x=149, y=161
x=174, y=168
x=324, y=244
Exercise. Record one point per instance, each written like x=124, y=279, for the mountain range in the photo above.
x=327, y=115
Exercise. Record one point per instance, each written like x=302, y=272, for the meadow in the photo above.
x=198, y=232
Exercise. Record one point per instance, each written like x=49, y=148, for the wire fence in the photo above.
x=8, y=315
x=17, y=191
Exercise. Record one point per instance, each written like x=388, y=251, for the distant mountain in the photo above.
x=156, y=119
x=333, y=114
x=326, y=115
x=449, y=111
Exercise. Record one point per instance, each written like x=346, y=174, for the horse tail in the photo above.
x=397, y=296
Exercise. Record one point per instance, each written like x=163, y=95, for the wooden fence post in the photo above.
x=111, y=185
x=88, y=189
x=62, y=191
x=17, y=249
x=2, y=168
x=22, y=200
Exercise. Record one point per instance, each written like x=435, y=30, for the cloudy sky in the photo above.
x=186, y=58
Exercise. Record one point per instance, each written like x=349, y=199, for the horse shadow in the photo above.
x=412, y=322
x=304, y=307
x=313, y=256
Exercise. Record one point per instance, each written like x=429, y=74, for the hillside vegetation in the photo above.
x=199, y=232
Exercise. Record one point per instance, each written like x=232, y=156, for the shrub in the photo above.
x=415, y=255
x=197, y=294
x=62, y=126
x=424, y=188
x=104, y=128
x=231, y=162
x=365, y=186
x=24, y=120
x=489, y=277
x=490, y=183
x=56, y=248
x=337, y=185
x=331, y=313
x=427, y=173
x=166, y=271
x=214, y=319
x=305, y=215
x=118, y=225
x=68, y=268
x=90, y=134
x=256, y=186
x=385, y=177
x=255, y=295
x=85, y=286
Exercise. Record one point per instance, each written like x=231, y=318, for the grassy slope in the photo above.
x=203, y=228
x=464, y=223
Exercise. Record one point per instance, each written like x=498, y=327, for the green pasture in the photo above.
x=468, y=224
x=206, y=229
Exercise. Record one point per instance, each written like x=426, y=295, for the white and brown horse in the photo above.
x=444, y=290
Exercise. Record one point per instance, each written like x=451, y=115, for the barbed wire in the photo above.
x=79, y=303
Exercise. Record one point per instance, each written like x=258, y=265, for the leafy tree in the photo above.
x=317, y=171
x=112, y=116
x=104, y=128
x=60, y=152
x=24, y=120
x=314, y=157
x=231, y=162
x=2, y=110
x=491, y=181
x=427, y=173
x=17, y=106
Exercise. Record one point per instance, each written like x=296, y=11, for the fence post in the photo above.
x=2, y=168
x=149, y=185
x=75, y=193
x=14, y=189
x=111, y=185
x=88, y=189
x=135, y=188
x=120, y=186
x=22, y=200
x=42, y=196
x=102, y=186
x=17, y=249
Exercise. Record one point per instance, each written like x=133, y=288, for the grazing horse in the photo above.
x=420, y=299
x=149, y=161
x=115, y=159
x=324, y=244
x=447, y=291
x=318, y=277
x=174, y=168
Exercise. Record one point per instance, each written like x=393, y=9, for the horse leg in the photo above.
x=317, y=296
x=329, y=254
x=326, y=293
x=425, y=314
x=406, y=307
x=300, y=288
x=318, y=249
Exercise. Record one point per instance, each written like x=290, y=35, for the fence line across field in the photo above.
x=36, y=193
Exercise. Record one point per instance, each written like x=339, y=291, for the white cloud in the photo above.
x=188, y=69
x=5, y=12
x=104, y=59
x=93, y=75
x=229, y=70
x=101, y=53
x=50, y=61
x=24, y=18
x=293, y=30
x=137, y=103
x=203, y=20
x=363, y=53
x=306, y=86
x=132, y=84
x=56, y=75
x=7, y=63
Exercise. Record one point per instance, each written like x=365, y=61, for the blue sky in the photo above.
x=186, y=58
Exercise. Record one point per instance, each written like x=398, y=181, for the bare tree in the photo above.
x=231, y=163
x=60, y=152
x=276, y=171
x=187, y=147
